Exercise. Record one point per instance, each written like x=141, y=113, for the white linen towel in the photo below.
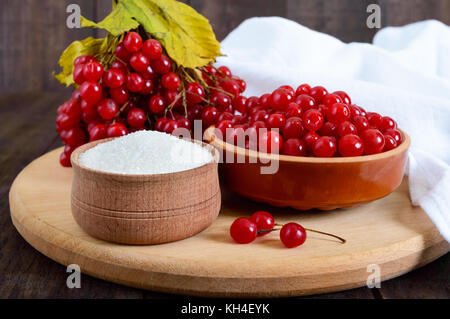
x=404, y=74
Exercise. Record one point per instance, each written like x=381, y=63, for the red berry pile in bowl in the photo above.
x=308, y=148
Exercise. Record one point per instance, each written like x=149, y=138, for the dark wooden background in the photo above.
x=33, y=32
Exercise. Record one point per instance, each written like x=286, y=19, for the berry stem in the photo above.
x=327, y=234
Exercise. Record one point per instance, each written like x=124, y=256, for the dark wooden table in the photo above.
x=27, y=130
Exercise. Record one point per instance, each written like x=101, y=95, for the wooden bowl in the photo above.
x=144, y=209
x=305, y=183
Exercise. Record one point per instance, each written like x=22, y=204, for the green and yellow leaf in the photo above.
x=186, y=35
x=75, y=49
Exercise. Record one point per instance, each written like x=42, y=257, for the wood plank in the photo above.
x=344, y=19
x=398, y=12
x=431, y=282
x=33, y=35
x=201, y=264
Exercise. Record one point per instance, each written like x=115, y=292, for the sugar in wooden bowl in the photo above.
x=145, y=188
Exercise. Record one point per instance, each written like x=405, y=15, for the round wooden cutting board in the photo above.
x=388, y=232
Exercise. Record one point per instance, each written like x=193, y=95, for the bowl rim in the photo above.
x=210, y=137
x=74, y=159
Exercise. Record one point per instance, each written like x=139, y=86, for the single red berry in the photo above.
x=148, y=73
x=162, y=65
x=107, y=109
x=386, y=123
x=91, y=92
x=184, y=123
x=74, y=136
x=338, y=113
x=276, y=120
x=288, y=89
x=210, y=114
x=148, y=87
x=139, y=62
x=318, y=93
x=252, y=102
x=231, y=86
x=293, y=110
x=373, y=141
x=374, y=118
x=325, y=146
x=313, y=120
x=346, y=128
x=114, y=78
x=194, y=93
x=170, y=81
x=132, y=42
x=306, y=102
x=293, y=128
x=329, y=129
x=395, y=134
x=98, y=132
x=292, y=235
x=116, y=130
x=78, y=76
x=135, y=82
x=156, y=104
x=389, y=143
x=354, y=110
x=310, y=139
x=331, y=99
x=263, y=221
x=225, y=71
x=294, y=147
x=243, y=230
x=136, y=117
x=240, y=104
x=221, y=100
x=122, y=53
x=160, y=123
x=344, y=96
x=64, y=159
x=119, y=65
x=170, y=126
x=303, y=89
x=264, y=100
x=351, y=145
x=280, y=99
x=83, y=59
x=225, y=116
x=152, y=49
x=242, y=84
x=270, y=142
x=361, y=123
x=223, y=126
x=120, y=95
x=92, y=71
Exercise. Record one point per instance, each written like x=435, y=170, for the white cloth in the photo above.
x=404, y=74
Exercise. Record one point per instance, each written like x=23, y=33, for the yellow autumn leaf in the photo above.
x=75, y=49
x=186, y=35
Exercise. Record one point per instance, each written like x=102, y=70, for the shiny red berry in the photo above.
x=292, y=235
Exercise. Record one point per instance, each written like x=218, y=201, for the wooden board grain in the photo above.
x=388, y=232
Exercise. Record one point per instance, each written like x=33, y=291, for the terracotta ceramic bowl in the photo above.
x=144, y=209
x=305, y=183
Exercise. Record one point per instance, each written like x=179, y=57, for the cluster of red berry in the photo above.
x=136, y=91
x=245, y=230
x=309, y=122
x=142, y=88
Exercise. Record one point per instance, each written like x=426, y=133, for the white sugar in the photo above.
x=145, y=152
